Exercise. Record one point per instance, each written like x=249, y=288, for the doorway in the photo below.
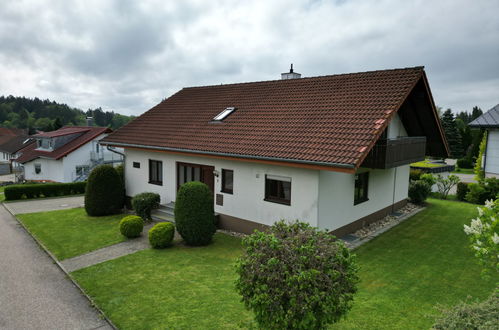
x=187, y=172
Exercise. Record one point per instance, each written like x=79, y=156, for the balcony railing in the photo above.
x=389, y=153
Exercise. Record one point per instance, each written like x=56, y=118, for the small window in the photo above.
x=222, y=115
x=228, y=181
x=82, y=170
x=278, y=189
x=156, y=172
x=361, y=188
x=38, y=168
x=136, y=164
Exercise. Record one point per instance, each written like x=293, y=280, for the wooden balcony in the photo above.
x=389, y=153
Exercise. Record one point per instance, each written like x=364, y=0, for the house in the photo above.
x=490, y=122
x=65, y=155
x=331, y=150
x=11, y=141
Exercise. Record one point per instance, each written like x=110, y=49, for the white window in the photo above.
x=222, y=115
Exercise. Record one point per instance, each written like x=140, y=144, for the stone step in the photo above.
x=161, y=215
x=167, y=210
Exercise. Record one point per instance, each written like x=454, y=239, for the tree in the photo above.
x=44, y=124
x=452, y=134
x=57, y=124
x=104, y=192
x=475, y=113
x=479, y=171
x=444, y=185
x=294, y=276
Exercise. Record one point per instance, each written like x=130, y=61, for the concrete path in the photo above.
x=34, y=292
x=43, y=205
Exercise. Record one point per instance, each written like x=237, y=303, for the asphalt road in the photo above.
x=34, y=292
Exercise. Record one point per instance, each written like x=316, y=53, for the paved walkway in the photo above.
x=43, y=205
x=34, y=292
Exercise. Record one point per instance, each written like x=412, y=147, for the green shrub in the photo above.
x=415, y=175
x=161, y=235
x=194, y=214
x=464, y=163
x=294, y=276
x=462, y=190
x=478, y=315
x=429, y=179
x=487, y=189
x=131, y=226
x=144, y=203
x=13, y=192
x=104, y=192
x=419, y=191
x=36, y=190
x=121, y=172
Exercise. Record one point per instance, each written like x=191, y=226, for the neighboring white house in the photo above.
x=333, y=151
x=490, y=122
x=65, y=155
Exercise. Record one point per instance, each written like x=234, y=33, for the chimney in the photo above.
x=290, y=74
x=90, y=121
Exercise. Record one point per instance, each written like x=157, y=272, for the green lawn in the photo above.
x=464, y=171
x=404, y=274
x=2, y=195
x=69, y=233
x=426, y=163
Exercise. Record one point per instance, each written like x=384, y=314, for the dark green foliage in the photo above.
x=161, y=235
x=419, y=191
x=465, y=162
x=477, y=315
x=487, y=189
x=294, y=276
x=104, y=192
x=121, y=172
x=462, y=190
x=452, y=134
x=131, y=226
x=415, y=174
x=43, y=190
x=194, y=214
x=144, y=203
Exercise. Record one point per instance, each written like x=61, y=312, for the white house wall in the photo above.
x=51, y=170
x=336, y=195
x=79, y=157
x=492, y=154
x=247, y=202
x=396, y=128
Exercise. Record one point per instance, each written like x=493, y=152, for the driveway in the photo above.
x=42, y=205
x=34, y=292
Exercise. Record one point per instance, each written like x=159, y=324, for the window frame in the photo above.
x=38, y=168
x=276, y=199
x=159, y=173
x=136, y=164
x=224, y=188
x=364, y=184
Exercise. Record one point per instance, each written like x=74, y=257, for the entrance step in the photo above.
x=164, y=212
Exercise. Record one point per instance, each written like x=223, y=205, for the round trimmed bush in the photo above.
x=131, y=226
x=104, y=192
x=161, y=235
x=419, y=191
x=194, y=214
x=144, y=203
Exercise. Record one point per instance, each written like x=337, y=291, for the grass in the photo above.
x=2, y=194
x=464, y=171
x=404, y=273
x=69, y=233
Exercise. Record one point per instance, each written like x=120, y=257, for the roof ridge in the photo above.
x=419, y=67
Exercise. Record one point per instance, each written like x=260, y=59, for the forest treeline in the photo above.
x=45, y=115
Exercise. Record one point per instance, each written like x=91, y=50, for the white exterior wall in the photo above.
x=51, y=170
x=396, y=128
x=79, y=157
x=247, y=202
x=492, y=154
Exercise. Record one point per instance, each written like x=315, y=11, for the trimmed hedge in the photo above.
x=465, y=163
x=104, y=192
x=462, y=190
x=161, y=235
x=415, y=174
x=194, y=214
x=144, y=203
x=15, y=192
x=131, y=226
x=419, y=191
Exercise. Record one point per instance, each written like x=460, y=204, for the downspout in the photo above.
x=116, y=152
x=394, y=187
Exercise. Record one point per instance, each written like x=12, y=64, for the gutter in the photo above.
x=108, y=147
x=284, y=160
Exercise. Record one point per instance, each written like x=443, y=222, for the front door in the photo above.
x=187, y=172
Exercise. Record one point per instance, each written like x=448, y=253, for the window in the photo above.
x=136, y=164
x=156, y=172
x=278, y=189
x=361, y=185
x=227, y=181
x=82, y=170
x=38, y=168
x=222, y=115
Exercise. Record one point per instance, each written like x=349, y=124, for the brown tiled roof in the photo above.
x=64, y=131
x=14, y=143
x=30, y=153
x=326, y=120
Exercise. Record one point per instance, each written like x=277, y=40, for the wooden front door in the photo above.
x=187, y=172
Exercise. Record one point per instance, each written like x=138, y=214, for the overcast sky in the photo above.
x=127, y=56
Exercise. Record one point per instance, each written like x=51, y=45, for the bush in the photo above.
x=36, y=190
x=462, y=190
x=104, y=192
x=464, y=163
x=429, y=179
x=419, y=191
x=161, y=235
x=194, y=214
x=144, y=203
x=131, y=226
x=478, y=315
x=294, y=276
x=445, y=184
x=480, y=192
x=415, y=175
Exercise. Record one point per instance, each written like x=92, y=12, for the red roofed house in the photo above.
x=65, y=155
x=331, y=150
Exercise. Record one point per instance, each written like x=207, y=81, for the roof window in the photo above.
x=222, y=115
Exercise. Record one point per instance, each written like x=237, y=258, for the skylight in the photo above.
x=222, y=115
